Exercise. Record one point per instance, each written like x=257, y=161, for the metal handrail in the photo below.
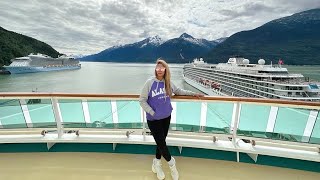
x=39, y=95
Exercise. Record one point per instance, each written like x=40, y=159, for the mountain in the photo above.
x=76, y=56
x=14, y=45
x=181, y=49
x=142, y=51
x=294, y=39
x=184, y=48
x=221, y=40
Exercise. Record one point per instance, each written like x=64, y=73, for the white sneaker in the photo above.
x=156, y=168
x=174, y=172
x=173, y=168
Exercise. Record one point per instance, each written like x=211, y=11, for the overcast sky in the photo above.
x=90, y=26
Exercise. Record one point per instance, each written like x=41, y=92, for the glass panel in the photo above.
x=72, y=113
x=188, y=116
x=290, y=124
x=129, y=114
x=41, y=112
x=100, y=114
x=219, y=116
x=315, y=136
x=253, y=120
x=11, y=115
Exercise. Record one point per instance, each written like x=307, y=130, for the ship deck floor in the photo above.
x=83, y=166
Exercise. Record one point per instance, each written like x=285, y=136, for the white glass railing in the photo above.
x=280, y=128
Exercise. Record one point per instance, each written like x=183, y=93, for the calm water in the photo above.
x=93, y=77
x=308, y=71
x=110, y=78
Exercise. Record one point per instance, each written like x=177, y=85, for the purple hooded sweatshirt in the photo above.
x=155, y=102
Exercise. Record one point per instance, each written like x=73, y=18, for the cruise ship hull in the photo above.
x=26, y=69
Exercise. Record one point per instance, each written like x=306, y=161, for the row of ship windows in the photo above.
x=263, y=84
x=289, y=94
x=234, y=85
x=240, y=76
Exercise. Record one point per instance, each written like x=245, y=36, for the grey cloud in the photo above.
x=89, y=26
x=144, y=34
x=125, y=9
x=265, y=9
x=164, y=5
x=126, y=18
x=251, y=9
x=294, y=6
x=62, y=27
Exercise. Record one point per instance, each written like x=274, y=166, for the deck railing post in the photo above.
x=143, y=116
x=58, y=117
x=234, y=125
x=235, y=119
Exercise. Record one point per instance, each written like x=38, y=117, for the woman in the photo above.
x=155, y=99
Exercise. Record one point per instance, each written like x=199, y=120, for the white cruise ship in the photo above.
x=41, y=63
x=238, y=77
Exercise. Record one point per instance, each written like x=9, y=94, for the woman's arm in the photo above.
x=178, y=91
x=144, y=97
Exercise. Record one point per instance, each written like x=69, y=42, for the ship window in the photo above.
x=313, y=86
x=274, y=72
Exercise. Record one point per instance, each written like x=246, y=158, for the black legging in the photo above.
x=159, y=130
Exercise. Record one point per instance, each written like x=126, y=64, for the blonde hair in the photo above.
x=166, y=77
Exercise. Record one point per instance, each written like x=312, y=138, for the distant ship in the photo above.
x=3, y=71
x=238, y=77
x=42, y=63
